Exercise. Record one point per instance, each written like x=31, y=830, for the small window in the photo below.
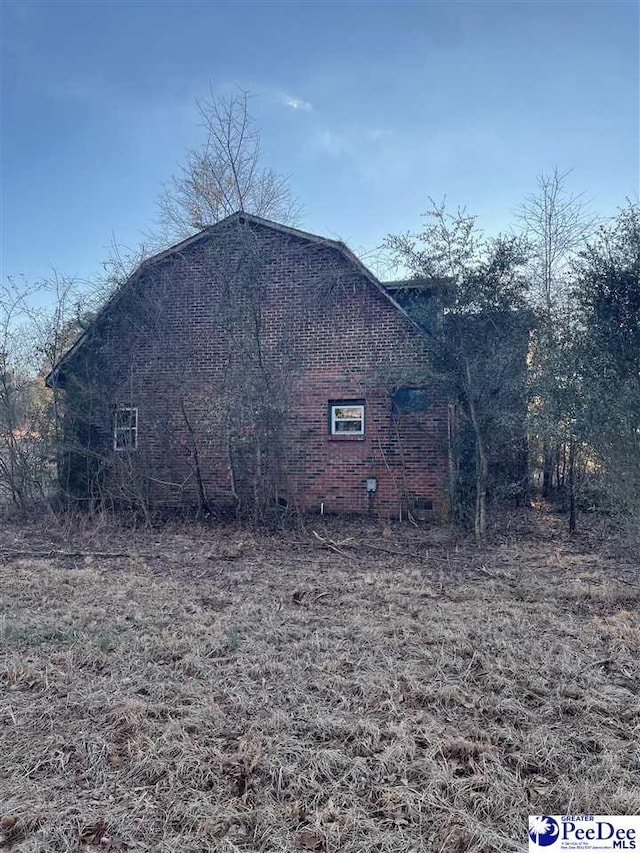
x=125, y=429
x=346, y=417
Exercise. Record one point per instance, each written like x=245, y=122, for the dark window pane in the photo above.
x=410, y=400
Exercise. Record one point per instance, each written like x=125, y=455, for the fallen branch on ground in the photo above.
x=58, y=555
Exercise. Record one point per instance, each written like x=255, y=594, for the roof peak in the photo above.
x=240, y=216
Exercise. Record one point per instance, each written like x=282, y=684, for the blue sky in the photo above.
x=369, y=107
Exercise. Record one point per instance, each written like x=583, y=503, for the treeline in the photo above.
x=575, y=281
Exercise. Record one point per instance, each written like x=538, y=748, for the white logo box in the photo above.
x=586, y=833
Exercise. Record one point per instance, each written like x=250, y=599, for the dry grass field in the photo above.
x=211, y=689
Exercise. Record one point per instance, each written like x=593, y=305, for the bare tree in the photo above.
x=36, y=325
x=225, y=174
x=556, y=223
x=14, y=393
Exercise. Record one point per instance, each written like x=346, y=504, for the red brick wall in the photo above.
x=406, y=454
x=169, y=342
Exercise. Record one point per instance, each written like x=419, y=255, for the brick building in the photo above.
x=256, y=363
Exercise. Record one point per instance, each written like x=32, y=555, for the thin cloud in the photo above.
x=298, y=104
x=335, y=144
x=376, y=134
x=352, y=141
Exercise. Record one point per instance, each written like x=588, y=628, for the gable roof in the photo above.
x=241, y=218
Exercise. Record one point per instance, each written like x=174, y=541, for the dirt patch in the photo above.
x=195, y=689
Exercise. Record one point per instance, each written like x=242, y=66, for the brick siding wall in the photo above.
x=175, y=335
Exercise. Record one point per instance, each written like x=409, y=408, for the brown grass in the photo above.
x=220, y=690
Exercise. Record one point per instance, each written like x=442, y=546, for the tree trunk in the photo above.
x=547, y=471
x=482, y=469
x=563, y=479
x=482, y=465
x=572, y=492
x=204, y=507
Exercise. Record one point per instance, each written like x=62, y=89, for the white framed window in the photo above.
x=125, y=428
x=346, y=417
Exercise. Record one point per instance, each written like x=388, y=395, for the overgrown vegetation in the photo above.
x=607, y=353
x=583, y=377
x=576, y=290
x=479, y=351
x=240, y=410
